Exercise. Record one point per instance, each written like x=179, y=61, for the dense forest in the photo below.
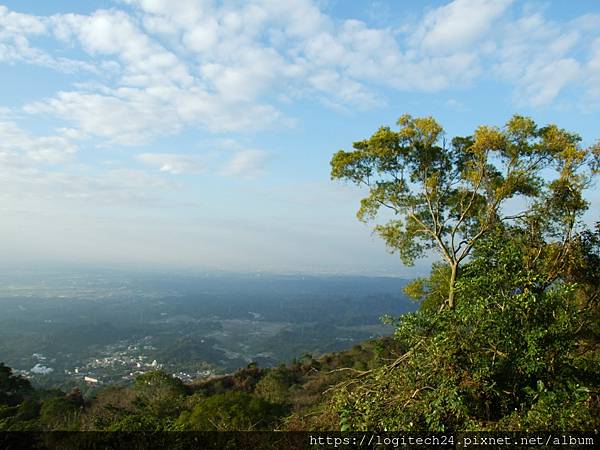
x=506, y=334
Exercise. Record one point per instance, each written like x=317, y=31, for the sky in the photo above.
x=197, y=135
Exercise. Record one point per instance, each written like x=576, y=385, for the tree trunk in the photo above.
x=451, y=291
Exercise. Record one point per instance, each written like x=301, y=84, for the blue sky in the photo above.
x=197, y=134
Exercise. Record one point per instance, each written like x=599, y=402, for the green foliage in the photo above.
x=140, y=422
x=59, y=414
x=109, y=405
x=232, y=411
x=13, y=388
x=159, y=393
x=19, y=409
x=510, y=358
x=28, y=410
x=431, y=292
x=519, y=351
x=275, y=384
x=449, y=196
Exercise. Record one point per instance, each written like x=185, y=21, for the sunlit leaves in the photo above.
x=448, y=197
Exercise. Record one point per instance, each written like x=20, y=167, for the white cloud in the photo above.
x=17, y=29
x=45, y=167
x=19, y=148
x=458, y=25
x=12, y=23
x=544, y=81
x=542, y=58
x=107, y=33
x=73, y=134
x=593, y=70
x=171, y=163
x=81, y=186
x=239, y=73
x=157, y=67
x=247, y=164
x=125, y=115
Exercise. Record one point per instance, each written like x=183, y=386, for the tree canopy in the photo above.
x=448, y=195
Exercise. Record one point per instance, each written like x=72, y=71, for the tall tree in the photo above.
x=448, y=197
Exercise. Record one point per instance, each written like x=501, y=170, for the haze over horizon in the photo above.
x=197, y=134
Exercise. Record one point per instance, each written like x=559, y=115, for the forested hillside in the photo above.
x=289, y=397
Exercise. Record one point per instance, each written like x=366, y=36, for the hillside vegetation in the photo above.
x=290, y=397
